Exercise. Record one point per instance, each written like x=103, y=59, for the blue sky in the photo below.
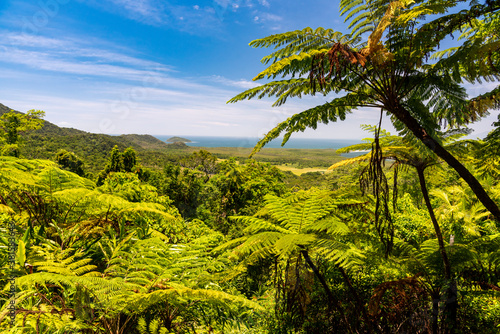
x=157, y=67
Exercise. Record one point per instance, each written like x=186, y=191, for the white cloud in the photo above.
x=75, y=57
x=95, y=50
x=64, y=124
x=148, y=11
x=195, y=19
x=224, y=124
x=268, y=17
x=47, y=62
x=242, y=83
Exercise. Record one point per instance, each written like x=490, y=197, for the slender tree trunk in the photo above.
x=359, y=303
x=435, y=312
x=437, y=229
x=332, y=301
x=451, y=305
x=451, y=308
x=412, y=124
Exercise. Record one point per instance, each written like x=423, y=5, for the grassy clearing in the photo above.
x=291, y=159
x=300, y=171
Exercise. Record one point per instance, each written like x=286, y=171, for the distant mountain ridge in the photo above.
x=93, y=147
x=178, y=140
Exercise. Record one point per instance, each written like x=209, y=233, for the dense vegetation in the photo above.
x=141, y=237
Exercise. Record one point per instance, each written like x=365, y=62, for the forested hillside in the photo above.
x=47, y=141
x=203, y=245
x=124, y=234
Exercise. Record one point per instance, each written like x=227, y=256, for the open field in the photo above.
x=312, y=159
x=300, y=171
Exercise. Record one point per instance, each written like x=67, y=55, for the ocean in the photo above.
x=205, y=141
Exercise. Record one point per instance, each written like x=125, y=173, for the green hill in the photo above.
x=178, y=140
x=93, y=148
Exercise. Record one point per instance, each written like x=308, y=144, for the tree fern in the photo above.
x=389, y=72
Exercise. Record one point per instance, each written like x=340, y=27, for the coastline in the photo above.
x=249, y=142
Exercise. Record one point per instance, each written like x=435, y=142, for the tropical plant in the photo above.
x=390, y=71
x=404, y=152
x=13, y=125
x=487, y=153
x=121, y=162
x=290, y=229
x=70, y=161
x=91, y=260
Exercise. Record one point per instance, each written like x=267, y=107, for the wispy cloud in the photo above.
x=144, y=8
x=75, y=57
x=75, y=48
x=199, y=19
x=264, y=3
x=242, y=83
x=267, y=17
x=151, y=12
x=224, y=124
x=271, y=21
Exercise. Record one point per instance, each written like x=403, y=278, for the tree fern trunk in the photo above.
x=437, y=229
x=451, y=308
x=359, y=303
x=435, y=312
x=451, y=305
x=412, y=124
x=332, y=301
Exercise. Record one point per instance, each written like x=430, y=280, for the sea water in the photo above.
x=206, y=141
x=299, y=143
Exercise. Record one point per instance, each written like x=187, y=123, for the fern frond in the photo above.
x=256, y=225
x=326, y=113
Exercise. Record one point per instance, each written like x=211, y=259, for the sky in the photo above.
x=159, y=67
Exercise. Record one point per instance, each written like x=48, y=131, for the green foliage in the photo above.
x=203, y=161
x=486, y=153
x=13, y=125
x=129, y=159
x=480, y=311
x=390, y=72
x=412, y=224
x=206, y=246
x=182, y=186
x=70, y=161
x=42, y=174
x=286, y=226
x=121, y=162
x=106, y=258
x=238, y=189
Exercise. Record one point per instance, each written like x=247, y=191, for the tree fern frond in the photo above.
x=332, y=226
x=328, y=112
x=345, y=162
x=292, y=65
x=344, y=255
x=256, y=242
x=257, y=225
x=282, y=89
x=294, y=42
x=290, y=243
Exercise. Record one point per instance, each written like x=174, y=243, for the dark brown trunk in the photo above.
x=332, y=301
x=412, y=124
x=435, y=312
x=451, y=308
x=359, y=303
x=437, y=229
